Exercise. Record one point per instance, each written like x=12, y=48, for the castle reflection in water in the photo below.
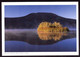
x=51, y=35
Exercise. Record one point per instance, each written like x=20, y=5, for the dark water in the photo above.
x=32, y=41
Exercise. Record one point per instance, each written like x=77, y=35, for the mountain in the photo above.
x=32, y=21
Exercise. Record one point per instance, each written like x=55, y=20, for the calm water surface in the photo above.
x=24, y=40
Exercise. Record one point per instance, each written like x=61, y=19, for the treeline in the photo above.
x=51, y=27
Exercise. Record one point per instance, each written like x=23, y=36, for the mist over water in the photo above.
x=29, y=40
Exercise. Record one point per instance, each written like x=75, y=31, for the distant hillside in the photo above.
x=34, y=19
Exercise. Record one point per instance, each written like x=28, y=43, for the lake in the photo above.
x=29, y=40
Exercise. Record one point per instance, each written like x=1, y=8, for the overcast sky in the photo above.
x=68, y=11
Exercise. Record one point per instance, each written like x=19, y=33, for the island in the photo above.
x=51, y=27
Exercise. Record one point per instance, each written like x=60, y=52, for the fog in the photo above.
x=31, y=36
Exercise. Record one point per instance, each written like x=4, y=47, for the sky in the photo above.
x=67, y=11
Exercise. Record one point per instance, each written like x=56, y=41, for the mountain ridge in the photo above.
x=39, y=13
x=32, y=20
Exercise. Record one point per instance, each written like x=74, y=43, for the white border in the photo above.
x=37, y=53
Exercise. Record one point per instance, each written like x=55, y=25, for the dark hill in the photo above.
x=34, y=19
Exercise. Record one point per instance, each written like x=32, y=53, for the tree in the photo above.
x=51, y=27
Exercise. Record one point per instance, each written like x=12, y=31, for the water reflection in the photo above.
x=52, y=35
x=34, y=38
